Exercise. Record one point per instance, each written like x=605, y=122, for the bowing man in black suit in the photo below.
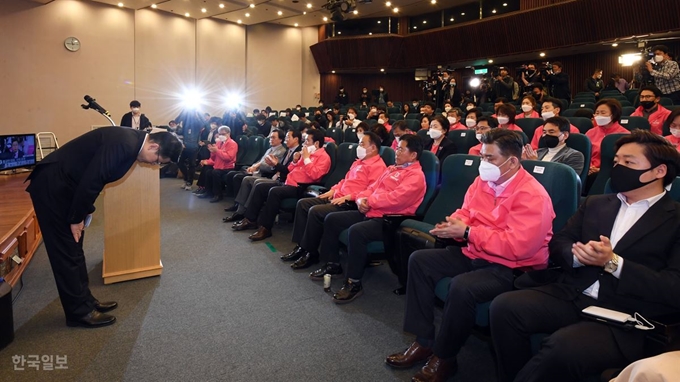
x=135, y=119
x=619, y=251
x=64, y=187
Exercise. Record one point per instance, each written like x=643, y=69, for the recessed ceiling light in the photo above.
x=505, y=4
x=333, y=71
x=433, y=1
x=279, y=13
x=490, y=61
x=415, y=27
x=339, y=32
x=379, y=21
x=542, y=54
x=325, y=19
x=204, y=10
x=296, y=24
x=494, y=11
x=370, y=33
x=424, y=21
x=389, y=4
x=120, y=4
x=395, y=10
x=304, y=13
x=252, y=5
x=309, y=5
x=356, y=12
x=239, y=21
x=221, y=5
x=451, y=18
x=154, y=6
x=187, y=14
x=382, y=70
x=615, y=45
x=247, y=14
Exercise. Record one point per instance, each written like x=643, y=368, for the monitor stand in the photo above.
x=15, y=171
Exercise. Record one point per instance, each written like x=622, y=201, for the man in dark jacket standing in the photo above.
x=64, y=187
x=135, y=119
x=558, y=82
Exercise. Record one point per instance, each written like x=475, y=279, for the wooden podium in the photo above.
x=132, y=226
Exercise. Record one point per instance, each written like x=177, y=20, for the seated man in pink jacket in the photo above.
x=308, y=166
x=222, y=158
x=399, y=190
x=505, y=224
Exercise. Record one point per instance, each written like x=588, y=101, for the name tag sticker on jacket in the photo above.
x=350, y=146
x=624, y=121
x=539, y=169
x=463, y=134
x=468, y=162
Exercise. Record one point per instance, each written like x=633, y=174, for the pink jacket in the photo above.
x=539, y=132
x=394, y=142
x=225, y=156
x=475, y=150
x=512, y=127
x=399, y=190
x=300, y=172
x=675, y=141
x=512, y=229
x=359, y=177
x=534, y=114
x=596, y=134
x=457, y=126
x=656, y=119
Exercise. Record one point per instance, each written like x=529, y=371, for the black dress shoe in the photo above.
x=349, y=292
x=232, y=208
x=261, y=234
x=233, y=218
x=93, y=319
x=306, y=261
x=215, y=199
x=333, y=269
x=295, y=254
x=243, y=225
x=103, y=307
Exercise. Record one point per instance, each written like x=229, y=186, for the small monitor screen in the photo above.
x=17, y=151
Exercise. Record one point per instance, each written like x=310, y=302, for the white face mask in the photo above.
x=479, y=137
x=222, y=138
x=675, y=133
x=547, y=115
x=351, y=116
x=447, y=108
x=490, y=172
x=434, y=133
x=469, y=107
x=470, y=123
x=397, y=139
x=381, y=121
x=503, y=120
x=360, y=136
x=361, y=152
x=311, y=149
x=135, y=110
x=527, y=108
x=304, y=137
x=658, y=58
x=452, y=120
x=602, y=120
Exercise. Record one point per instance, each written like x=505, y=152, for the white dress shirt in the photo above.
x=552, y=152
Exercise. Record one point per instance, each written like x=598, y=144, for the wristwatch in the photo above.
x=612, y=265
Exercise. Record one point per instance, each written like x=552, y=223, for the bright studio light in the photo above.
x=192, y=99
x=629, y=59
x=475, y=82
x=232, y=100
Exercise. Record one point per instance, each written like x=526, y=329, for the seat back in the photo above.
x=242, y=142
x=396, y=116
x=580, y=104
x=627, y=111
x=430, y=165
x=337, y=134
x=570, y=112
x=561, y=183
x=412, y=116
x=362, y=114
x=423, y=134
x=632, y=123
x=350, y=135
x=332, y=151
x=606, y=163
x=458, y=173
x=341, y=160
x=370, y=122
x=463, y=139
x=665, y=101
x=583, y=124
x=295, y=125
x=413, y=124
x=529, y=126
x=581, y=143
x=254, y=151
x=388, y=155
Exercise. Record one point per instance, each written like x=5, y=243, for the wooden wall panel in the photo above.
x=531, y=4
x=399, y=87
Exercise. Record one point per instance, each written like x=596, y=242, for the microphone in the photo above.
x=92, y=104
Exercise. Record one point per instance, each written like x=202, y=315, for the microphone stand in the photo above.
x=103, y=112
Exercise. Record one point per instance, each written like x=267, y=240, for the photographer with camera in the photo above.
x=558, y=82
x=665, y=72
x=530, y=77
x=504, y=84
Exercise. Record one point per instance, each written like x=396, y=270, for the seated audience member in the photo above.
x=551, y=108
x=365, y=96
x=455, y=115
x=382, y=133
x=399, y=190
x=303, y=119
x=607, y=117
x=373, y=112
x=259, y=169
x=620, y=83
x=469, y=104
x=528, y=108
x=279, y=167
x=497, y=103
x=661, y=368
x=350, y=121
x=310, y=212
x=383, y=119
x=399, y=129
x=553, y=146
x=207, y=136
x=594, y=83
x=538, y=93
x=439, y=144
x=406, y=110
x=484, y=125
x=222, y=159
x=471, y=118
x=506, y=117
x=263, y=127
x=308, y=166
x=673, y=125
x=425, y=122
x=427, y=109
x=651, y=109
x=329, y=123
x=620, y=252
x=506, y=222
x=415, y=105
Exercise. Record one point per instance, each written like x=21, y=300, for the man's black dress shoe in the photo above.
x=295, y=254
x=233, y=218
x=232, y=208
x=103, y=307
x=349, y=292
x=333, y=269
x=306, y=261
x=93, y=319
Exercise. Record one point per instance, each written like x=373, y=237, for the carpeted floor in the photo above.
x=224, y=309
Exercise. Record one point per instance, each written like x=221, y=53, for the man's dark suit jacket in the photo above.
x=126, y=121
x=282, y=166
x=82, y=167
x=649, y=282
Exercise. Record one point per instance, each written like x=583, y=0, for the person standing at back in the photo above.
x=134, y=118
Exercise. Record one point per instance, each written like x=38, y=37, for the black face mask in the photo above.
x=549, y=141
x=624, y=179
x=647, y=104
